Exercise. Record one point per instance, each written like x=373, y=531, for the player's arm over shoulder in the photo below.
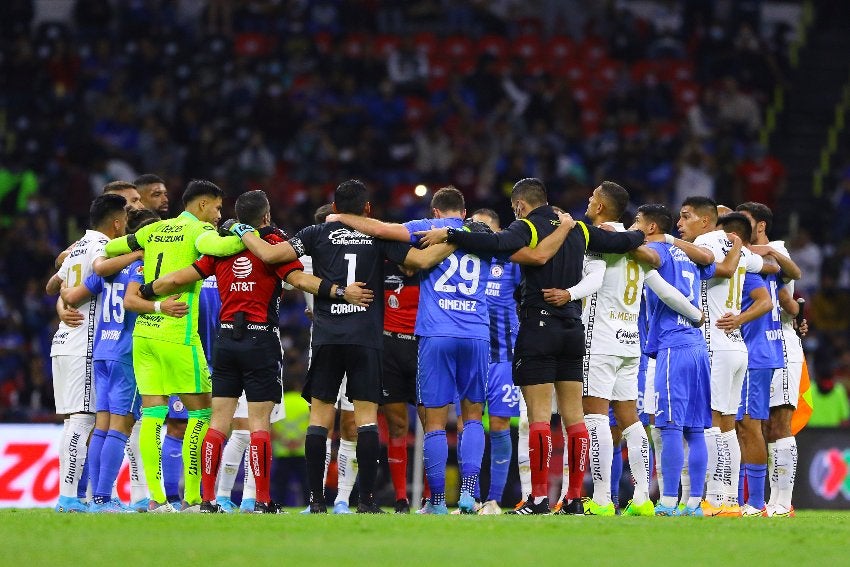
x=131, y=242
x=208, y=241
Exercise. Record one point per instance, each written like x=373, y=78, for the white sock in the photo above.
x=600, y=455
x=771, y=472
x=138, y=482
x=657, y=445
x=786, y=470
x=347, y=460
x=734, y=466
x=327, y=461
x=565, y=472
x=522, y=459
x=249, y=484
x=718, y=455
x=231, y=458
x=638, y=445
x=74, y=451
x=63, y=461
x=686, y=478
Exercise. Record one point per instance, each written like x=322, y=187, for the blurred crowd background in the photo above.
x=666, y=98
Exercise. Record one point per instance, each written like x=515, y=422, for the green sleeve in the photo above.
x=117, y=246
x=209, y=242
x=130, y=242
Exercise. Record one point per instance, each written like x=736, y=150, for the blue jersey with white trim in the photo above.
x=208, y=310
x=114, y=337
x=763, y=336
x=502, y=282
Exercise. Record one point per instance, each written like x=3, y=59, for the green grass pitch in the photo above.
x=41, y=537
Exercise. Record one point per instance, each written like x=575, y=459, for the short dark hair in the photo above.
x=148, y=179
x=703, y=206
x=615, y=196
x=351, y=197
x=488, y=213
x=201, y=188
x=117, y=186
x=321, y=214
x=448, y=199
x=137, y=218
x=659, y=214
x=531, y=190
x=104, y=206
x=760, y=212
x=737, y=223
x=251, y=207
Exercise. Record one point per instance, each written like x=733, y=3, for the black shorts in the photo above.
x=548, y=349
x=331, y=362
x=252, y=363
x=399, y=383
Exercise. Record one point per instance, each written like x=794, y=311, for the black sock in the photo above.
x=315, y=446
x=368, y=447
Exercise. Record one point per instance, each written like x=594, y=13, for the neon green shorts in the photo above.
x=163, y=368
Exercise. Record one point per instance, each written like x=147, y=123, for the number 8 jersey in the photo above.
x=452, y=295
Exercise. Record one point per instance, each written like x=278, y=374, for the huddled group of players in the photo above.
x=549, y=314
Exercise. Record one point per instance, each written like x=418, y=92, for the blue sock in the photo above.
x=697, y=459
x=172, y=467
x=472, y=452
x=436, y=454
x=672, y=458
x=616, y=473
x=91, y=469
x=500, y=462
x=111, y=458
x=755, y=484
x=741, y=478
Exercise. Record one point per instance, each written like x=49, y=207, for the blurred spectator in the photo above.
x=808, y=257
x=759, y=178
x=831, y=407
x=407, y=67
x=829, y=309
x=694, y=175
x=737, y=109
x=289, y=474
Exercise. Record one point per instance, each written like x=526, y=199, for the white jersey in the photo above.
x=610, y=315
x=307, y=262
x=793, y=346
x=722, y=295
x=77, y=266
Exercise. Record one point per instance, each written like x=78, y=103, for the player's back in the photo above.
x=793, y=345
x=114, y=338
x=763, y=335
x=502, y=283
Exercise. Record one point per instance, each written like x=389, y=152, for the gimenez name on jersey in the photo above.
x=348, y=237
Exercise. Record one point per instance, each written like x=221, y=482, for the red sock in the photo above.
x=261, y=463
x=211, y=454
x=539, y=452
x=578, y=442
x=397, y=459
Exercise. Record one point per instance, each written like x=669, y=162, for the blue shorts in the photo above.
x=115, y=388
x=682, y=387
x=502, y=395
x=450, y=365
x=641, y=380
x=755, y=394
x=176, y=409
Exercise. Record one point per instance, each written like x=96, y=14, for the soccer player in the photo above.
x=126, y=190
x=167, y=353
x=153, y=193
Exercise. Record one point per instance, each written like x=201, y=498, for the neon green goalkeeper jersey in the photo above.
x=172, y=245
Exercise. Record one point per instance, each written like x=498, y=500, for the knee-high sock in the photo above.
x=196, y=429
x=397, y=461
x=672, y=462
x=63, y=457
x=522, y=459
x=436, y=449
x=231, y=458
x=74, y=451
x=249, y=483
x=328, y=451
x=578, y=444
x=755, y=484
x=315, y=446
x=540, y=454
x=213, y=447
x=346, y=459
x=601, y=453
x=83, y=485
x=697, y=463
x=718, y=456
x=731, y=439
x=138, y=484
x=500, y=462
x=657, y=446
x=616, y=473
x=638, y=446
x=368, y=449
x=472, y=450
x=771, y=471
x=685, y=478
x=172, y=466
x=111, y=458
x=260, y=453
x=565, y=467
x=98, y=437
x=785, y=470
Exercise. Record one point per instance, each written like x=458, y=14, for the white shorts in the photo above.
x=785, y=385
x=73, y=384
x=650, y=402
x=728, y=369
x=612, y=377
x=342, y=401
x=278, y=411
x=523, y=408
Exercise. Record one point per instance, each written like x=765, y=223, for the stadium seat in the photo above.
x=527, y=47
x=494, y=45
x=385, y=44
x=427, y=43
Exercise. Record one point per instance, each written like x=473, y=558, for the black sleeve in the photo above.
x=613, y=242
x=396, y=252
x=304, y=240
x=511, y=239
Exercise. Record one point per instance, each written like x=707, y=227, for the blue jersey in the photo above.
x=668, y=329
x=114, y=336
x=502, y=282
x=452, y=300
x=208, y=309
x=763, y=336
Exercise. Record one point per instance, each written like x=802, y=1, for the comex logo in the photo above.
x=242, y=267
x=828, y=474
